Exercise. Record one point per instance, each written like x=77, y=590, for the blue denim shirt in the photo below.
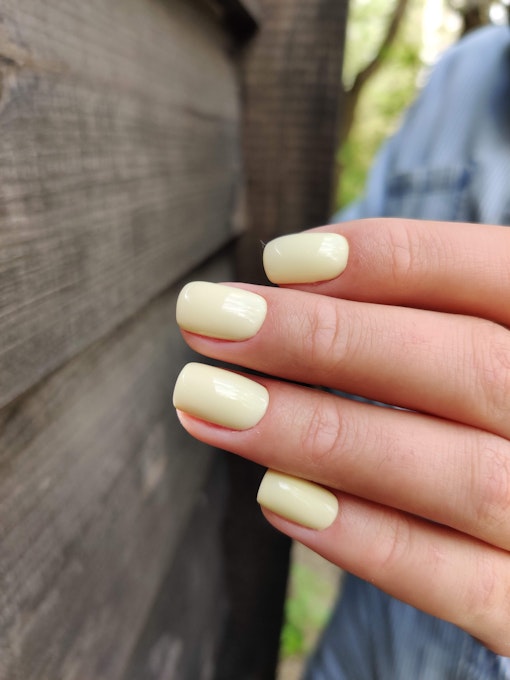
x=451, y=158
x=449, y=161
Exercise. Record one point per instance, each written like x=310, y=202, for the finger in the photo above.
x=453, y=366
x=433, y=568
x=453, y=267
x=438, y=470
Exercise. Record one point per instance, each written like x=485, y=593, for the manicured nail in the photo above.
x=305, y=258
x=298, y=500
x=220, y=397
x=220, y=311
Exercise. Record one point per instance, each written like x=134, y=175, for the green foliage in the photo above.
x=385, y=96
x=306, y=610
x=292, y=642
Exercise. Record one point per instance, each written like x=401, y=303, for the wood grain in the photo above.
x=181, y=637
x=119, y=167
x=97, y=483
x=291, y=87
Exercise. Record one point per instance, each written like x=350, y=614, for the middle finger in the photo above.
x=456, y=367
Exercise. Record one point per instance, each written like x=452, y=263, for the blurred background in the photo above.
x=389, y=50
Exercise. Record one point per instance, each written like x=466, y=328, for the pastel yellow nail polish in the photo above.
x=298, y=500
x=220, y=397
x=305, y=258
x=220, y=311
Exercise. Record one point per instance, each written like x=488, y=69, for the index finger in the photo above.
x=444, y=266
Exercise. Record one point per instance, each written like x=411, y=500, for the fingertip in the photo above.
x=307, y=257
x=298, y=500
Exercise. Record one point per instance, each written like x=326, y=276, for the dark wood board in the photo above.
x=119, y=167
x=97, y=483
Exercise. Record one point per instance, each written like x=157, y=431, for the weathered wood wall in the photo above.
x=119, y=174
x=127, y=550
x=119, y=151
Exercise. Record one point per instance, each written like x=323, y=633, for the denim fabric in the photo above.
x=372, y=636
x=450, y=161
x=451, y=158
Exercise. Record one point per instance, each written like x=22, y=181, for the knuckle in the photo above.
x=482, y=596
x=322, y=435
x=491, y=492
x=395, y=544
x=322, y=334
x=413, y=250
x=333, y=335
x=496, y=617
x=491, y=364
x=403, y=251
x=486, y=603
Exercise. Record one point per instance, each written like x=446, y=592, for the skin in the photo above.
x=419, y=319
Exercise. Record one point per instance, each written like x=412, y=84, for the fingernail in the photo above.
x=298, y=500
x=220, y=397
x=305, y=258
x=219, y=311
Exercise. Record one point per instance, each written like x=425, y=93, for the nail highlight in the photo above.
x=220, y=397
x=220, y=311
x=298, y=500
x=305, y=258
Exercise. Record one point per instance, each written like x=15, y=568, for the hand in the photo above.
x=416, y=498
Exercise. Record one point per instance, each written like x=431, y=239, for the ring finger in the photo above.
x=439, y=470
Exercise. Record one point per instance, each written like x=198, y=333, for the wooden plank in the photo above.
x=257, y=560
x=97, y=483
x=291, y=76
x=291, y=87
x=119, y=167
x=180, y=639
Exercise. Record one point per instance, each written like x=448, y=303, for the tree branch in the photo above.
x=368, y=71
